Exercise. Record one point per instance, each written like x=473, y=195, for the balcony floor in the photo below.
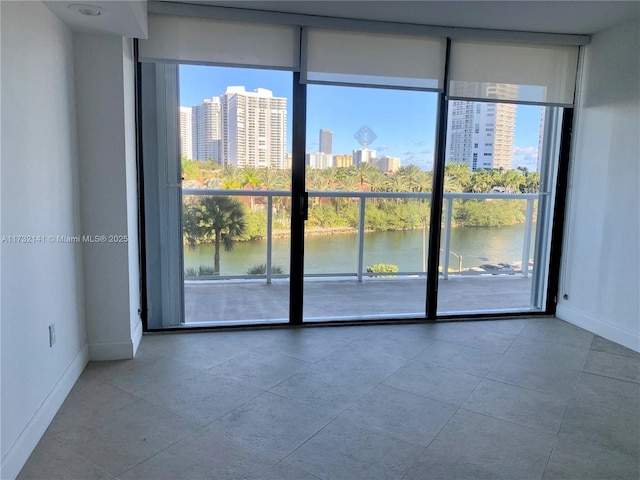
x=253, y=301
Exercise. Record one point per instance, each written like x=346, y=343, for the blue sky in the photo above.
x=404, y=121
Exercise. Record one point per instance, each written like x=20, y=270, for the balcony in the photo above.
x=468, y=284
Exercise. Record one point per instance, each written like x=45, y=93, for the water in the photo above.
x=338, y=253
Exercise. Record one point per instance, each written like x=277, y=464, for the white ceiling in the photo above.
x=129, y=18
x=124, y=18
x=576, y=17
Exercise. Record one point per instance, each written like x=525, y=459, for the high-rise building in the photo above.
x=363, y=155
x=186, y=149
x=254, y=128
x=319, y=160
x=479, y=133
x=342, y=161
x=326, y=141
x=206, y=129
x=287, y=160
x=386, y=163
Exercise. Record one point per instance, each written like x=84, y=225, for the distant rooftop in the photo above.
x=261, y=92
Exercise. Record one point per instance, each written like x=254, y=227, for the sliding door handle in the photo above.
x=304, y=206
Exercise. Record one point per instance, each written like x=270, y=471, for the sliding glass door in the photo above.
x=369, y=162
x=235, y=137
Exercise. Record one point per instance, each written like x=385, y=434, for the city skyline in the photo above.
x=405, y=121
x=239, y=127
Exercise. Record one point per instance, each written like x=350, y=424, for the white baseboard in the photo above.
x=599, y=327
x=117, y=350
x=24, y=445
x=110, y=351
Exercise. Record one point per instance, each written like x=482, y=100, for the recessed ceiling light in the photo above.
x=86, y=10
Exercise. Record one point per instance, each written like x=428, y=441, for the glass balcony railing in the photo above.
x=463, y=252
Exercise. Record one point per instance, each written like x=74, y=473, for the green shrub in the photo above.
x=382, y=268
x=201, y=271
x=488, y=213
x=204, y=270
x=262, y=269
x=256, y=224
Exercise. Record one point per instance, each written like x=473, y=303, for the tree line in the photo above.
x=361, y=177
x=223, y=220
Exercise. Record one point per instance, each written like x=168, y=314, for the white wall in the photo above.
x=601, y=260
x=41, y=282
x=104, y=72
x=131, y=181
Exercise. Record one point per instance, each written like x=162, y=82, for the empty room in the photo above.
x=320, y=240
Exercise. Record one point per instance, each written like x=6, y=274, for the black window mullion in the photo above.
x=557, y=228
x=437, y=191
x=298, y=199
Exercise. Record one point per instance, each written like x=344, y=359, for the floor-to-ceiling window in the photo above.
x=216, y=160
x=501, y=161
x=311, y=174
x=504, y=117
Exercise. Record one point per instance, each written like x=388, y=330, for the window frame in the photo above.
x=298, y=152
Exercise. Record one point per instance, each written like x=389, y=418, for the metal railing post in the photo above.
x=447, y=238
x=528, y=222
x=269, y=235
x=361, y=237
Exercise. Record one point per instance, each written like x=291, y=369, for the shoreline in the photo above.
x=327, y=231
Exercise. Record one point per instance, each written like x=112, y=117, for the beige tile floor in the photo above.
x=514, y=399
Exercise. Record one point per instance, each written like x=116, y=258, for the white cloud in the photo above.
x=531, y=152
x=525, y=157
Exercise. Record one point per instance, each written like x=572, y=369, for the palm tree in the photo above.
x=532, y=182
x=331, y=174
x=459, y=171
x=377, y=181
x=481, y=181
x=362, y=171
x=497, y=178
x=250, y=177
x=424, y=182
x=348, y=184
x=217, y=219
x=317, y=182
x=271, y=179
x=512, y=180
x=342, y=173
x=285, y=183
x=232, y=178
x=410, y=174
x=398, y=183
x=451, y=184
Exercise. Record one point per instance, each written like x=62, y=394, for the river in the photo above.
x=338, y=253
